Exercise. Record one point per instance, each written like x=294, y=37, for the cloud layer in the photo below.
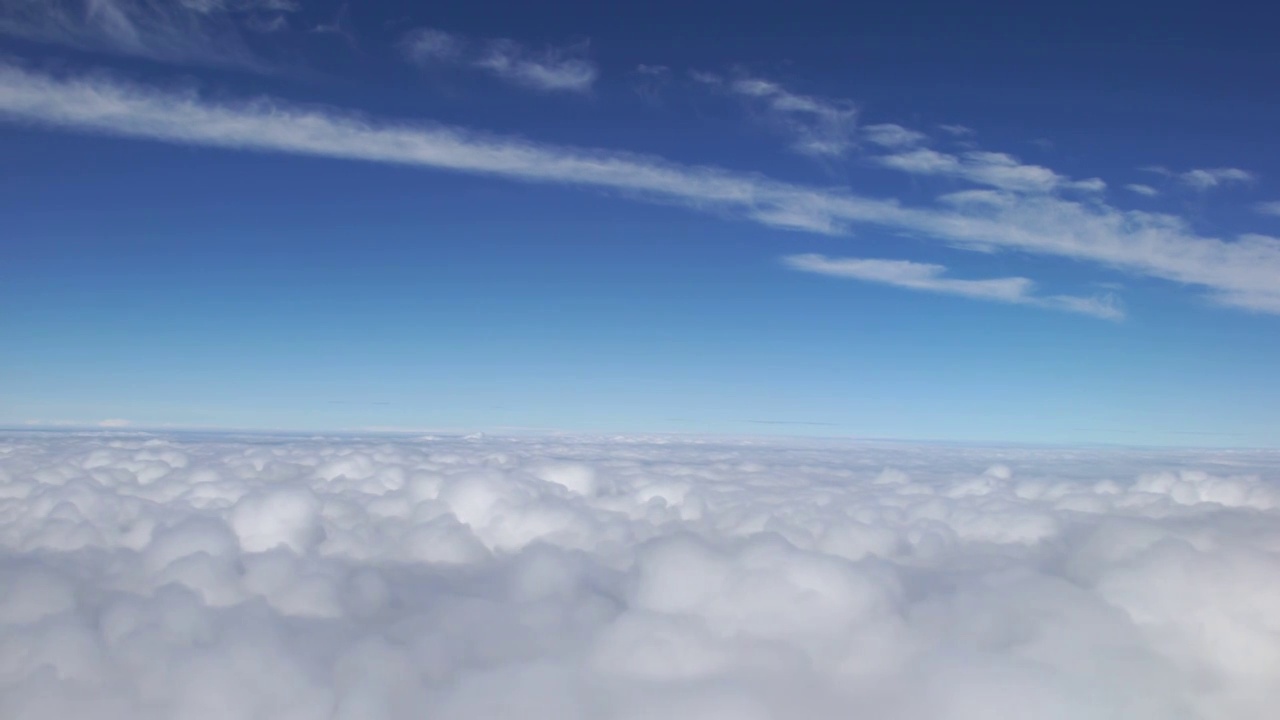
x=1237, y=272
x=146, y=577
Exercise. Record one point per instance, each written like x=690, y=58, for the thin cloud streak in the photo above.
x=996, y=169
x=893, y=136
x=926, y=277
x=1205, y=178
x=1239, y=273
x=817, y=127
x=195, y=32
x=1268, y=208
x=551, y=70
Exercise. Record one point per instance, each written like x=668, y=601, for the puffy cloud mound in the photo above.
x=239, y=577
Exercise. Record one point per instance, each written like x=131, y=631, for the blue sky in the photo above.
x=926, y=221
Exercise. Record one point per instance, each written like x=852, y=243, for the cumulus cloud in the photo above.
x=814, y=126
x=1238, y=272
x=248, y=577
x=1206, y=178
x=1144, y=190
x=197, y=32
x=553, y=69
x=932, y=278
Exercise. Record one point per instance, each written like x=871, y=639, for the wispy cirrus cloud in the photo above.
x=1268, y=208
x=890, y=135
x=193, y=32
x=1238, y=272
x=995, y=169
x=1140, y=189
x=814, y=126
x=1205, y=178
x=931, y=278
x=960, y=131
x=552, y=69
x=649, y=81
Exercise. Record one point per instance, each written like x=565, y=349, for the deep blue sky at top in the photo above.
x=181, y=284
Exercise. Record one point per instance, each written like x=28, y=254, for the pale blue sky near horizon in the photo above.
x=994, y=223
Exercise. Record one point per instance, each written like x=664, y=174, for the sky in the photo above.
x=988, y=222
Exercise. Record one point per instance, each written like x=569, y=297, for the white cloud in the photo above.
x=1205, y=178
x=957, y=130
x=1092, y=185
x=1145, y=190
x=198, y=32
x=428, y=44
x=551, y=70
x=932, y=278
x=114, y=423
x=649, y=82
x=995, y=169
x=892, y=136
x=817, y=127
x=1239, y=272
x=540, y=578
x=1268, y=208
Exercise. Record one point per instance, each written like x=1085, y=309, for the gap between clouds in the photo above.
x=1239, y=273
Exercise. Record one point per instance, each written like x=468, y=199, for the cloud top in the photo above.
x=242, y=577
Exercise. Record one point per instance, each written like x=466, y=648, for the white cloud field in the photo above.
x=234, y=577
